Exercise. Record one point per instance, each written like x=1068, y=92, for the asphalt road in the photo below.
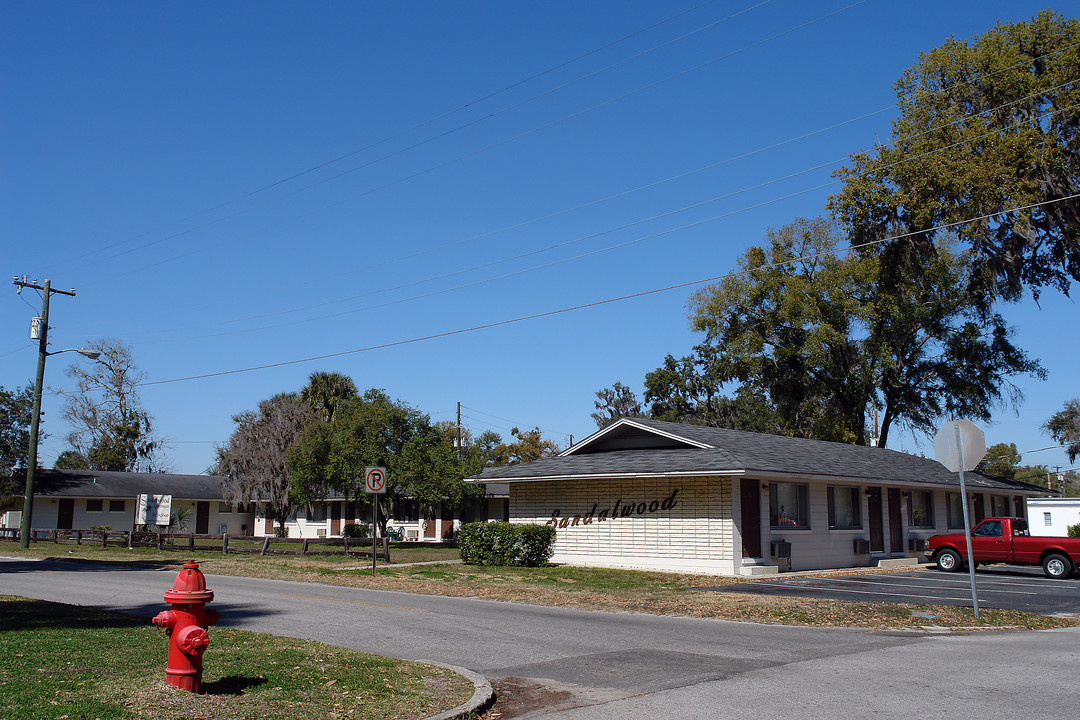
x=997, y=586
x=596, y=665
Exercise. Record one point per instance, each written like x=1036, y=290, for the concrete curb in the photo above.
x=482, y=697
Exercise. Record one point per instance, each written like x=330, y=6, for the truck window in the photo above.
x=990, y=528
x=1019, y=527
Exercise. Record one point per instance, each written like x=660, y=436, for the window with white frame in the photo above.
x=317, y=512
x=94, y=506
x=116, y=505
x=788, y=507
x=999, y=504
x=845, y=508
x=921, y=509
x=224, y=508
x=1046, y=519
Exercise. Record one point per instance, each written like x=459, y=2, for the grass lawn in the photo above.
x=585, y=588
x=67, y=662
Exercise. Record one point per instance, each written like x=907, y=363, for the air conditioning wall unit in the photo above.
x=862, y=547
x=916, y=545
x=320, y=532
x=780, y=549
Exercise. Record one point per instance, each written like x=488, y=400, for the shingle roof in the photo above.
x=651, y=448
x=108, y=484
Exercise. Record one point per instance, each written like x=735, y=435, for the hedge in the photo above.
x=503, y=543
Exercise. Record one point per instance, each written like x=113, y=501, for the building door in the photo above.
x=1019, y=506
x=335, y=518
x=202, y=517
x=877, y=535
x=980, y=508
x=65, y=514
x=750, y=499
x=447, y=522
x=896, y=522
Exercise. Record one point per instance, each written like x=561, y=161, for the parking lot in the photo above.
x=998, y=586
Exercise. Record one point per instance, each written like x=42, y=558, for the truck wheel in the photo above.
x=949, y=560
x=1057, y=566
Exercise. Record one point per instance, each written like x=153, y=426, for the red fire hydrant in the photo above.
x=186, y=626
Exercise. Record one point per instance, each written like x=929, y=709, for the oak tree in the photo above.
x=987, y=147
x=1064, y=427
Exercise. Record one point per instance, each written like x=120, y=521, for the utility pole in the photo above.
x=459, y=430
x=43, y=352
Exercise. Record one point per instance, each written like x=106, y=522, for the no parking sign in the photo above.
x=375, y=480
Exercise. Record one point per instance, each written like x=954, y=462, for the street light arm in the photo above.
x=85, y=352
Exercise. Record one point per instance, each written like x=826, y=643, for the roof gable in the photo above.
x=637, y=434
x=640, y=447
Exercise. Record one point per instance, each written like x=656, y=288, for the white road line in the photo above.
x=872, y=592
x=980, y=585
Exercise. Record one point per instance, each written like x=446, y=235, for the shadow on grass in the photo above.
x=231, y=685
x=25, y=614
x=75, y=564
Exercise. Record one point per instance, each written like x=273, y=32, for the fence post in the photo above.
x=266, y=544
x=225, y=543
x=386, y=549
x=303, y=548
x=78, y=540
x=159, y=541
x=104, y=537
x=191, y=542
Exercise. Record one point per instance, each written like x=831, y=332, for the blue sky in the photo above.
x=233, y=185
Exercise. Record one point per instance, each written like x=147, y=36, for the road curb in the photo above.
x=482, y=697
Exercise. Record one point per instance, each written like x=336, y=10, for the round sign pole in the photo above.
x=967, y=525
x=949, y=445
x=374, y=484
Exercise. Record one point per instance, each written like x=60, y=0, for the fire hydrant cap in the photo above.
x=189, y=586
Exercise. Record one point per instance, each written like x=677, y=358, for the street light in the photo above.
x=35, y=418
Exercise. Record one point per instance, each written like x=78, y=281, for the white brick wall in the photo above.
x=695, y=534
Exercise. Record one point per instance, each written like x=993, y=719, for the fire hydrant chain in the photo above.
x=186, y=625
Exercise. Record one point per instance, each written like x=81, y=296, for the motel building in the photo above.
x=686, y=498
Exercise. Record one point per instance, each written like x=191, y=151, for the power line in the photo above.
x=414, y=128
x=512, y=422
x=598, y=303
x=878, y=168
x=468, y=155
x=574, y=241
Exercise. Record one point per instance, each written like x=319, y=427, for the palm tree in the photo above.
x=326, y=391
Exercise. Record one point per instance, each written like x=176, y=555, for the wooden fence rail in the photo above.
x=189, y=542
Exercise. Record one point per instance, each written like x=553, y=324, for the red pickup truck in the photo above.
x=1006, y=540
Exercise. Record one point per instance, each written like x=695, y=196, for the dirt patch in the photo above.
x=519, y=697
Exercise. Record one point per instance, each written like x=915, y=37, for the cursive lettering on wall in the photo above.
x=618, y=510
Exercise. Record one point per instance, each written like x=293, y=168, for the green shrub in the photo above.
x=1073, y=530
x=502, y=544
x=352, y=530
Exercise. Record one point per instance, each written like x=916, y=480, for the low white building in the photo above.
x=328, y=517
x=1051, y=517
x=85, y=499
x=668, y=496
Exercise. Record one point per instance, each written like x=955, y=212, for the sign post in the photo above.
x=374, y=484
x=960, y=446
